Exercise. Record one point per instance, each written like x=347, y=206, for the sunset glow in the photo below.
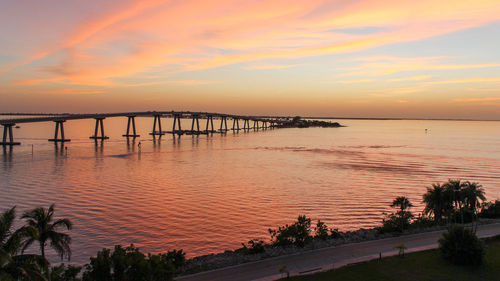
x=415, y=59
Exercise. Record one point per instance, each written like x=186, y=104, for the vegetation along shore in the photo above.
x=447, y=206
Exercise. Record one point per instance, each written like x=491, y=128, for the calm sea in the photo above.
x=208, y=194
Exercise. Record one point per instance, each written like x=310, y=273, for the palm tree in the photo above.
x=455, y=191
x=40, y=228
x=473, y=192
x=13, y=266
x=437, y=202
x=402, y=202
x=404, y=216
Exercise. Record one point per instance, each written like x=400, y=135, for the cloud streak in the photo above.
x=137, y=37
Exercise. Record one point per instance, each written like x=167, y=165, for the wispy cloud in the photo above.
x=383, y=66
x=353, y=81
x=467, y=80
x=411, y=78
x=270, y=66
x=135, y=37
x=476, y=100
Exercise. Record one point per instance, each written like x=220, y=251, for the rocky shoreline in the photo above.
x=242, y=255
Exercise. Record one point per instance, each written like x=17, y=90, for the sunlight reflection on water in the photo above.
x=208, y=194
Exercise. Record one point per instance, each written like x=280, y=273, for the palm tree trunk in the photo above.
x=42, y=249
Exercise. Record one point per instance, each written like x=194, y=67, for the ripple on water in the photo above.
x=207, y=195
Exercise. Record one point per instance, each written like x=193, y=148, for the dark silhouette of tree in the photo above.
x=298, y=233
x=437, y=202
x=129, y=264
x=473, y=192
x=402, y=217
x=402, y=202
x=42, y=229
x=12, y=265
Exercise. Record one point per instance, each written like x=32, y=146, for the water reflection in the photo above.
x=131, y=145
x=99, y=148
x=210, y=193
x=7, y=151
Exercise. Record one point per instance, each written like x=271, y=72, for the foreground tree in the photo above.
x=42, y=229
x=437, y=202
x=13, y=266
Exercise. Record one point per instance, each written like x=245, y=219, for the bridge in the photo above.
x=259, y=122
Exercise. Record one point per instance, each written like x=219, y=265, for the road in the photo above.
x=329, y=258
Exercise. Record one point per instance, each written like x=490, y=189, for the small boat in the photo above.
x=17, y=127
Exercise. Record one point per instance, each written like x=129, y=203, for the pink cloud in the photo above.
x=196, y=35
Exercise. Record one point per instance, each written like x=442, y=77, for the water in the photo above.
x=208, y=194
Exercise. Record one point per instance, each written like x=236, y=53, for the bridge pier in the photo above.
x=177, y=121
x=223, y=121
x=210, y=120
x=256, y=125
x=236, y=124
x=159, y=132
x=7, y=131
x=99, y=123
x=59, y=127
x=131, y=120
x=195, y=119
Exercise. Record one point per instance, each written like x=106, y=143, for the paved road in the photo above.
x=328, y=258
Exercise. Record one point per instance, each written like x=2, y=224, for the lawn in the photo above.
x=426, y=265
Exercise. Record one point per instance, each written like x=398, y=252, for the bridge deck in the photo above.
x=47, y=117
x=60, y=118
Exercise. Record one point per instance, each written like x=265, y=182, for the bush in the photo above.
x=491, y=210
x=461, y=246
x=254, y=247
x=464, y=215
x=129, y=263
x=335, y=233
x=321, y=230
x=423, y=222
x=397, y=222
x=297, y=234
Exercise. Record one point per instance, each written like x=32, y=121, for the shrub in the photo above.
x=321, y=230
x=335, y=233
x=491, y=210
x=130, y=264
x=254, y=246
x=397, y=222
x=297, y=234
x=464, y=215
x=461, y=246
x=423, y=222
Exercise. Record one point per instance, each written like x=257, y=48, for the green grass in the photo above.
x=426, y=265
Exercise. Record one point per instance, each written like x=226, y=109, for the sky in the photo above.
x=379, y=58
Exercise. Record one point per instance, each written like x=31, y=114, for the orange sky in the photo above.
x=418, y=59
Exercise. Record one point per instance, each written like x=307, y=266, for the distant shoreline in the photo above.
x=291, y=116
x=403, y=119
